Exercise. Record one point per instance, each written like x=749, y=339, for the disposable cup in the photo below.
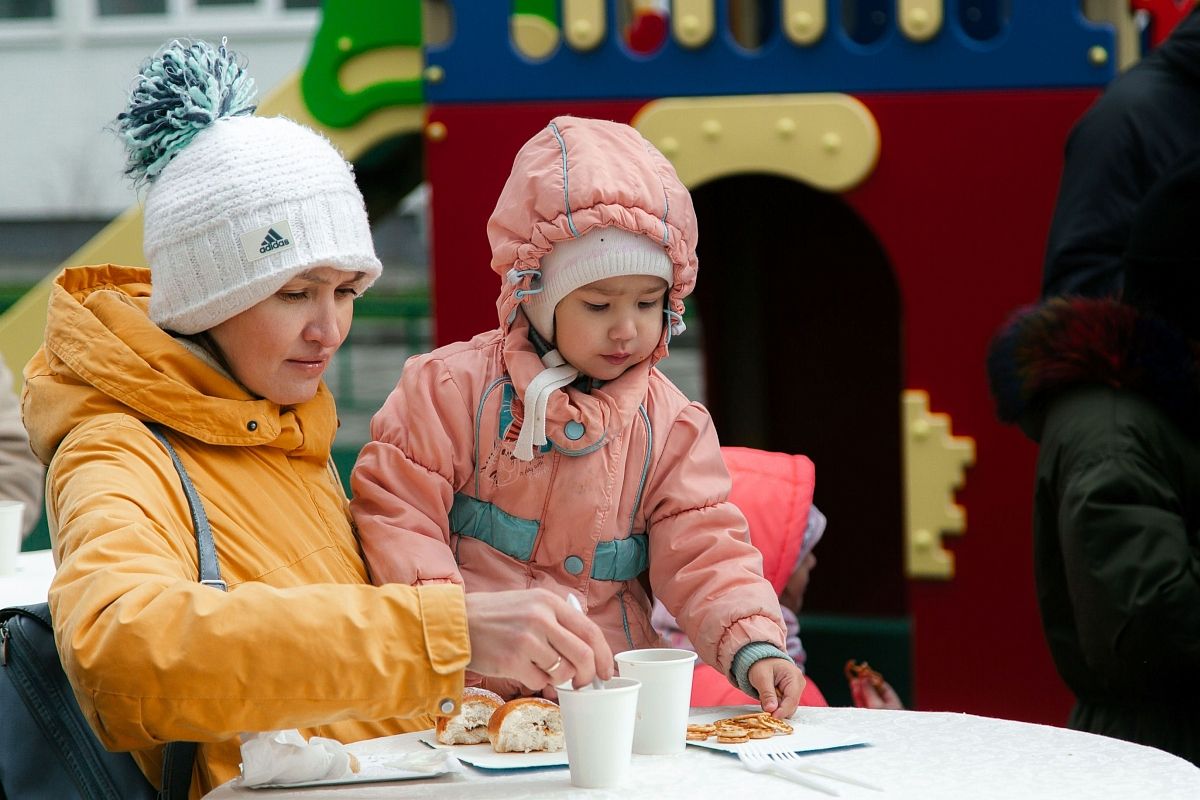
x=598, y=726
x=665, y=699
x=11, y=512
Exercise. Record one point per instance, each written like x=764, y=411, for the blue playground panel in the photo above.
x=1044, y=45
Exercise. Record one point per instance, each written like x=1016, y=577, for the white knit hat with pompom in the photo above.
x=237, y=205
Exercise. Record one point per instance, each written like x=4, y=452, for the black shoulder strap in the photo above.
x=179, y=757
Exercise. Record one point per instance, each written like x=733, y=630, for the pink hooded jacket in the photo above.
x=632, y=476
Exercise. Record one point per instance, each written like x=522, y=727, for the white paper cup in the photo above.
x=598, y=726
x=11, y=513
x=665, y=698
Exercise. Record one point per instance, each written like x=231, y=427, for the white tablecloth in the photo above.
x=913, y=754
x=29, y=585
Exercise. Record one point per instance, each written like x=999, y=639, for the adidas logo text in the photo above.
x=262, y=242
x=273, y=241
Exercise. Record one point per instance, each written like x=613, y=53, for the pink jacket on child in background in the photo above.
x=774, y=491
x=632, y=476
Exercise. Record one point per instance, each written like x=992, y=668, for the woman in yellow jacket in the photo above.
x=258, y=242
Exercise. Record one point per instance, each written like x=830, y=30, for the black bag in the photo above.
x=47, y=748
x=43, y=726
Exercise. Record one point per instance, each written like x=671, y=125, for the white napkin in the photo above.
x=277, y=757
x=283, y=758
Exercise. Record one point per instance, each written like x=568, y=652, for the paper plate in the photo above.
x=805, y=737
x=484, y=757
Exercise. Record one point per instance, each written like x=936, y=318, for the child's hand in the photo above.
x=867, y=695
x=868, y=689
x=779, y=683
x=548, y=643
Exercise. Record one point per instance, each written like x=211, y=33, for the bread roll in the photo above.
x=470, y=724
x=525, y=725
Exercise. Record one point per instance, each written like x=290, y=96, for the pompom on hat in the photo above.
x=236, y=205
x=598, y=254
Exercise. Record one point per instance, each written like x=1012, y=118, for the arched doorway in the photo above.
x=801, y=324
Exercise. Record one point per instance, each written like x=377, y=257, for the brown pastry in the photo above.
x=525, y=725
x=470, y=724
x=732, y=734
x=740, y=728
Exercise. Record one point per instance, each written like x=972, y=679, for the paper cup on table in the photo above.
x=598, y=726
x=11, y=514
x=665, y=698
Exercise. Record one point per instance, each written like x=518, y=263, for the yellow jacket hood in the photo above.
x=102, y=354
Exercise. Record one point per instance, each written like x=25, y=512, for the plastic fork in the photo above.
x=793, y=761
x=756, y=760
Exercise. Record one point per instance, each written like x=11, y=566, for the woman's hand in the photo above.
x=779, y=683
x=535, y=637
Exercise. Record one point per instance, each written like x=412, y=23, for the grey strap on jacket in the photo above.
x=206, y=548
x=180, y=757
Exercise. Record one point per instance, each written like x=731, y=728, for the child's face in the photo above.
x=606, y=327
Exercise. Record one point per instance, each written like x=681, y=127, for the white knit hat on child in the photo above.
x=237, y=205
x=598, y=254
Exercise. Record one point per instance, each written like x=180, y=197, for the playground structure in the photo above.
x=874, y=180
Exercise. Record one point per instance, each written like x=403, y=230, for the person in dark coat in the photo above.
x=1146, y=120
x=1110, y=389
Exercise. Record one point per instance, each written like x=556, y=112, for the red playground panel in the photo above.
x=960, y=203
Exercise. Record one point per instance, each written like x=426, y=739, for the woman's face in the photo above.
x=280, y=348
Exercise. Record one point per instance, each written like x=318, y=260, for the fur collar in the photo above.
x=1068, y=342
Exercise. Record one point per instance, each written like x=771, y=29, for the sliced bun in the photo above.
x=470, y=724
x=525, y=725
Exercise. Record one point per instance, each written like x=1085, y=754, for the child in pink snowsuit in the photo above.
x=550, y=452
